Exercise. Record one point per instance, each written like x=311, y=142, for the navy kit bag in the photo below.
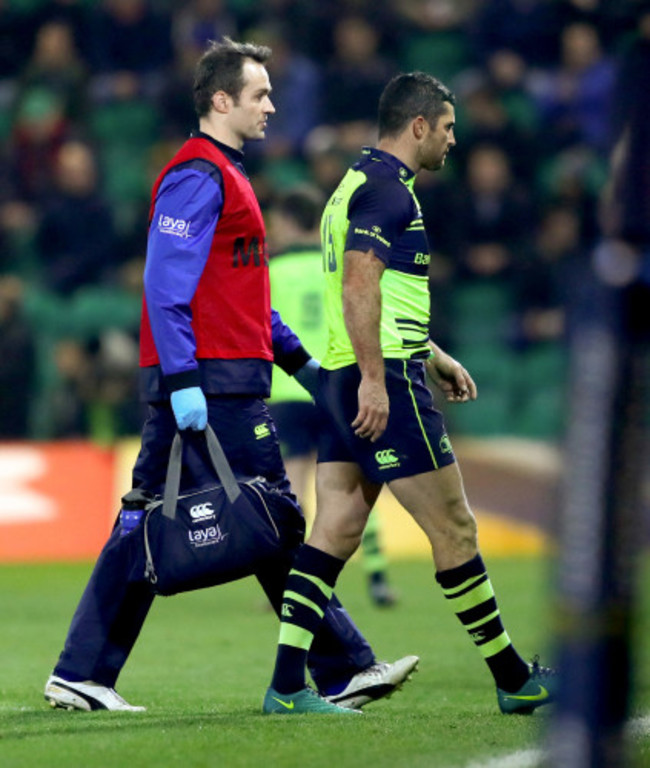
x=215, y=534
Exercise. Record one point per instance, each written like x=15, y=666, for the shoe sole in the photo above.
x=59, y=697
x=359, y=699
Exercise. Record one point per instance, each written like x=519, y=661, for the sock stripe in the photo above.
x=478, y=613
x=298, y=598
x=494, y=646
x=295, y=636
x=482, y=621
x=470, y=583
x=472, y=598
x=324, y=588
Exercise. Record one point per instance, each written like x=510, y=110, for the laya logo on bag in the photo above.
x=207, y=536
x=202, y=511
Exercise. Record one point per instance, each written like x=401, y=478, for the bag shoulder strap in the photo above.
x=219, y=462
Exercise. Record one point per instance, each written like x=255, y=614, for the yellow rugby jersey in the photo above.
x=375, y=207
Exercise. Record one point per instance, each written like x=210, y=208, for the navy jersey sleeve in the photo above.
x=186, y=212
x=379, y=212
x=288, y=352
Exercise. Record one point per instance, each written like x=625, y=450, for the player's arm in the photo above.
x=377, y=216
x=449, y=376
x=362, y=273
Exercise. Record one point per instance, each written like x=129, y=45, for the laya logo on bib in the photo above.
x=168, y=225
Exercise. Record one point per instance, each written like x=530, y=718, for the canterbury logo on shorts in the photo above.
x=386, y=458
x=262, y=431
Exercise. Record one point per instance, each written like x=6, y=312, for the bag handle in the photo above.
x=219, y=462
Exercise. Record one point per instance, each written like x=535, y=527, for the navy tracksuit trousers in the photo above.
x=117, y=599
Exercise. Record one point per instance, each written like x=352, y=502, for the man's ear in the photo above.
x=221, y=102
x=419, y=127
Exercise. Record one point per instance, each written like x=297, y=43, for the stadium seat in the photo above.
x=96, y=308
x=493, y=366
x=542, y=377
x=125, y=123
x=480, y=312
x=443, y=52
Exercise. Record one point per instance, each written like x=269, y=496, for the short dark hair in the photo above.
x=408, y=96
x=220, y=69
x=302, y=204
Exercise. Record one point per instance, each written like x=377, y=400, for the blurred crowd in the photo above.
x=95, y=95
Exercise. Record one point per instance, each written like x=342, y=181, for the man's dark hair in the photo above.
x=220, y=69
x=303, y=204
x=408, y=96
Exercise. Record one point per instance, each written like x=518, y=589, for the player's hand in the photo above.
x=372, y=417
x=190, y=408
x=451, y=378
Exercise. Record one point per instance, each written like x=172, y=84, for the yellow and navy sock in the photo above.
x=470, y=592
x=307, y=592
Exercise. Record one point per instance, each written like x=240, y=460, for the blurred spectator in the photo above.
x=527, y=27
x=192, y=26
x=297, y=93
x=16, y=35
x=39, y=129
x=76, y=239
x=494, y=211
x=433, y=36
x=130, y=35
x=67, y=416
x=74, y=13
x=178, y=117
x=55, y=67
x=574, y=178
x=484, y=120
x=508, y=75
x=17, y=240
x=575, y=98
x=199, y=21
x=93, y=390
x=327, y=159
x=356, y=73
x=549, y=278
x=17, y=361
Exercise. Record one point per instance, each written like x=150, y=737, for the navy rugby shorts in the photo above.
x=415, y=439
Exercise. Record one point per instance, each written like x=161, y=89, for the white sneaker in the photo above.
x=87, y=696
x=376, y=682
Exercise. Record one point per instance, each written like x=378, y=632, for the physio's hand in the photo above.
x=307, y=376
x=190, y=408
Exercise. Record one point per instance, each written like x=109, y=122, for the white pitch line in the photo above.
x=637, y=727
x=524, y=758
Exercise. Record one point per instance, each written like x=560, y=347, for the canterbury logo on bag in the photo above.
x=202, y=511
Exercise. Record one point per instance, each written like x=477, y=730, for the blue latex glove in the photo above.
x=307, y=376
x=190, y=408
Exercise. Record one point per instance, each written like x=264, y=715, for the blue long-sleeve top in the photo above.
x=194, y=192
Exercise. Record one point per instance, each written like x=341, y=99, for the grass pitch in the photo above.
x=204, y=660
